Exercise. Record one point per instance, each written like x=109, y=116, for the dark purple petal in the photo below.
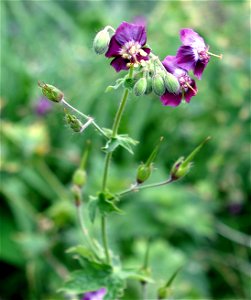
x=199, y=68
x=191, y=92
x=171, y=99
x=113, y=49
x=190, y=38
x=119, y=64
x=130, y=32
x=170, y=63
x=186, y=57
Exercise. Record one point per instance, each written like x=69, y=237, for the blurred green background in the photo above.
x=201, y=222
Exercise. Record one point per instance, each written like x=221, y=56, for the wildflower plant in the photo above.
x=101, y=274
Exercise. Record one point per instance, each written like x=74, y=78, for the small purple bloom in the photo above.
x=43, y=106
x=188, y=87
x=95, y=295
x=193, y=55
x=127, y=46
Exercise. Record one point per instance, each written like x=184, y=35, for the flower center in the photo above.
x=130, y=50
x=203, y=56
x=186, y=83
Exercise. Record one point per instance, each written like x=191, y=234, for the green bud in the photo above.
x=140, y=87
x=101, y=41
x=51, y=92
x=145, y=169
x=158, y=85
x=182, y=166
x=149, y=85
x=179, y=170
x=79, y=177
x=143, y=173
x=75, y=124
x=171, y=83
x=164, y=293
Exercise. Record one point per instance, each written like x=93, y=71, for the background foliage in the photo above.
x=52, y=41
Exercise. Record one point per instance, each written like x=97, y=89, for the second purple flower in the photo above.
x=188, y=87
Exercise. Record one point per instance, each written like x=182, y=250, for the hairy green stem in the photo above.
x=108, y=157
x=84, y=229
x=136, y=188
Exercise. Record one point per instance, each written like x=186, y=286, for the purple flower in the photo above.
x=43, y=106
x=193, y=55
x=95, y=295
x=127, y=46
x=188, y=87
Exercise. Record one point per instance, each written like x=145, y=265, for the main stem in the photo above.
x=107, y=164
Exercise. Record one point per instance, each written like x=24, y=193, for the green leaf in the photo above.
x=83, y=252
x=106, y=203
x=111, y=145
x=93, y=277
x=127, y=142
x=118, y=83
x=135, y=274
x=123, y=140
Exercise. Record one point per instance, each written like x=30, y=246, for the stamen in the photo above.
x=212, y=54
x=142, y=53
x=190, y=87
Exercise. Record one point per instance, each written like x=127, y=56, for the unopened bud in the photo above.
x=75, y=124
x=182, y=166
x=140, y=87
x=79, y=177
x=101, y=41
x=149, y=85
x=179, y=169
x=164, y=293
x=158, y=85
x=171, y=83
x=143, y=173
x=51, y=92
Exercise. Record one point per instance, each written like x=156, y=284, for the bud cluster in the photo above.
x=151, y=76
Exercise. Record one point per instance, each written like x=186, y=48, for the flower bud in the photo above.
x=51, y=92
x=179, y=170
x=171, y=83
x=145, y=169
x=101, y=41
x=158, y=85
x=140, y=87
x=75, y=124
x=143, y=173
x=182, y=166
x=149, y=85
x=163, y=293
x=79, y=177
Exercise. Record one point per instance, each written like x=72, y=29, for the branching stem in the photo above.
x=88, y=118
